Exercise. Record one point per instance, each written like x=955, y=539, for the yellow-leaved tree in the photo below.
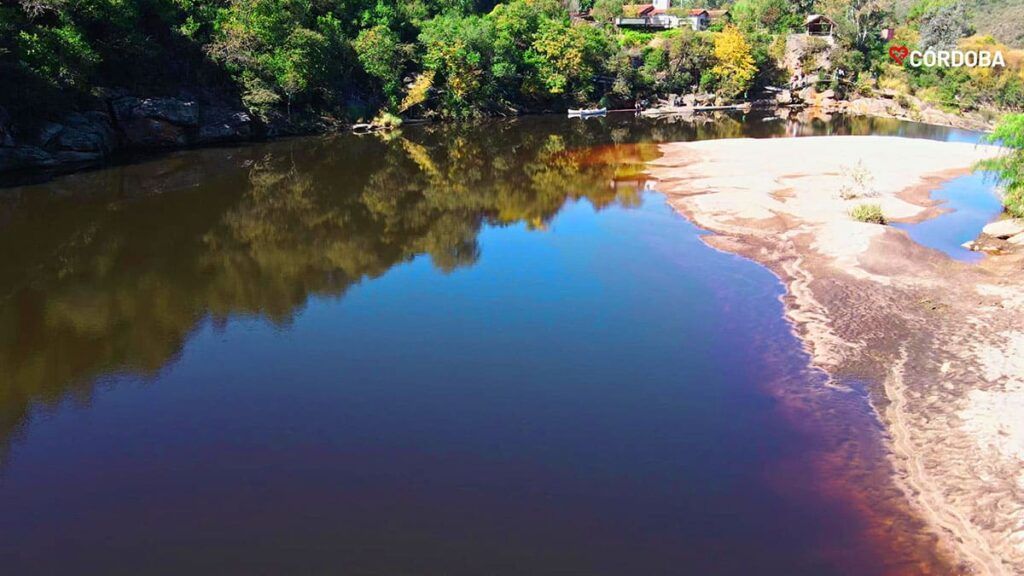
x=734, y=64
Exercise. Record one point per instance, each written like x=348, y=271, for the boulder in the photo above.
x=183, y=113
x=218, y=124
x=784, y=97
x=1017, y=240
x=21, y=157
x=871, y=107
x=6, y=137
x=706, y=99
x=89, y=133
x=46, y=133
x=1004, y=229
x=155, y=122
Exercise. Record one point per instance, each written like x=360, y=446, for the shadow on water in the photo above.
x=303, y=261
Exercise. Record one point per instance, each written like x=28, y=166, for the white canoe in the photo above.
x=588, y=112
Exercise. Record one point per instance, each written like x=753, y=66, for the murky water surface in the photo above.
x=453, y=350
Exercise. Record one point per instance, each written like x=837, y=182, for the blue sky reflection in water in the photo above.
x=455, y=352
x=971, y=203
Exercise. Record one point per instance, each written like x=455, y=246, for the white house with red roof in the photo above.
x=654, y=15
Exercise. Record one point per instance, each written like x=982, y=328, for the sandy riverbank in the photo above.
x=944, y=340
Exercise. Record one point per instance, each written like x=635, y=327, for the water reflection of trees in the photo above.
x=111, y=270
x=107, y=272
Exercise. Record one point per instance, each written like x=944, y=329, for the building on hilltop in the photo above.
x=819, y=25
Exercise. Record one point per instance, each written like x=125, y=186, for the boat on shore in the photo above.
x=585, y=112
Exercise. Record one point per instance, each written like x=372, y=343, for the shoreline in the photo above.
x=109, y=140
x=870, y=304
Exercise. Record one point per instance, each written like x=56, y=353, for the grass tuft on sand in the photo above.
x=870, y=213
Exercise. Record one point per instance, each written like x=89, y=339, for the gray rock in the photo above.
x=89, y=132
x=21, y=157
x=183, y=113
x=46, y=133
x=153, y=133
x=78, y=157
x=1017, y=240
x=6, y=138
x=155, y=122
x=1004, y=229
x=219, y=124
x=784, y=97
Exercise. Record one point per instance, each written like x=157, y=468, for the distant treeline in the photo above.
x=352, y=59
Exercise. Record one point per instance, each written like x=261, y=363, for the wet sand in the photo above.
x=942, y=340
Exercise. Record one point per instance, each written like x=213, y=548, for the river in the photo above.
x=475, y=349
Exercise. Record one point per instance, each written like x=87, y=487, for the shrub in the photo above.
x=870, y=213
x=1009, y=167
x=860, y=183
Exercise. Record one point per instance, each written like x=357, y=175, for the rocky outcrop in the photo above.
x=79, y=138
x=805, y=54
x=888, y=105
x=120, y=123
x=219, y=124
x=1005, y=229
x=147, y=123
x=999, y=237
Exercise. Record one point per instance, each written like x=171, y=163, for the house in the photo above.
x=819, y=25
x=717, y=16
x=648, y=16
x=699, y=19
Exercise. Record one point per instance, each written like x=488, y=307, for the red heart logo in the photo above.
x=899, y=54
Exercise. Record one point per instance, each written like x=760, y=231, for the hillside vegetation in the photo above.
x=294, y=61
x=1001, y=19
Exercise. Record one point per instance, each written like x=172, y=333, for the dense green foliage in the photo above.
x=351, y=59
x=1009, y=167
x=346, y=58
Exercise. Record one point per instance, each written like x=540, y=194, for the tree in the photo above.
x=857, y=21
x=945, y=27
x=606, y=10
x=567, y=57
x=734, y=67
x=1009, y=167
x=458, y=49
x=381, y=56
x=765, y=16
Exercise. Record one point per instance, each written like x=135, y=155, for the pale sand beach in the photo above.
x=942, y=339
